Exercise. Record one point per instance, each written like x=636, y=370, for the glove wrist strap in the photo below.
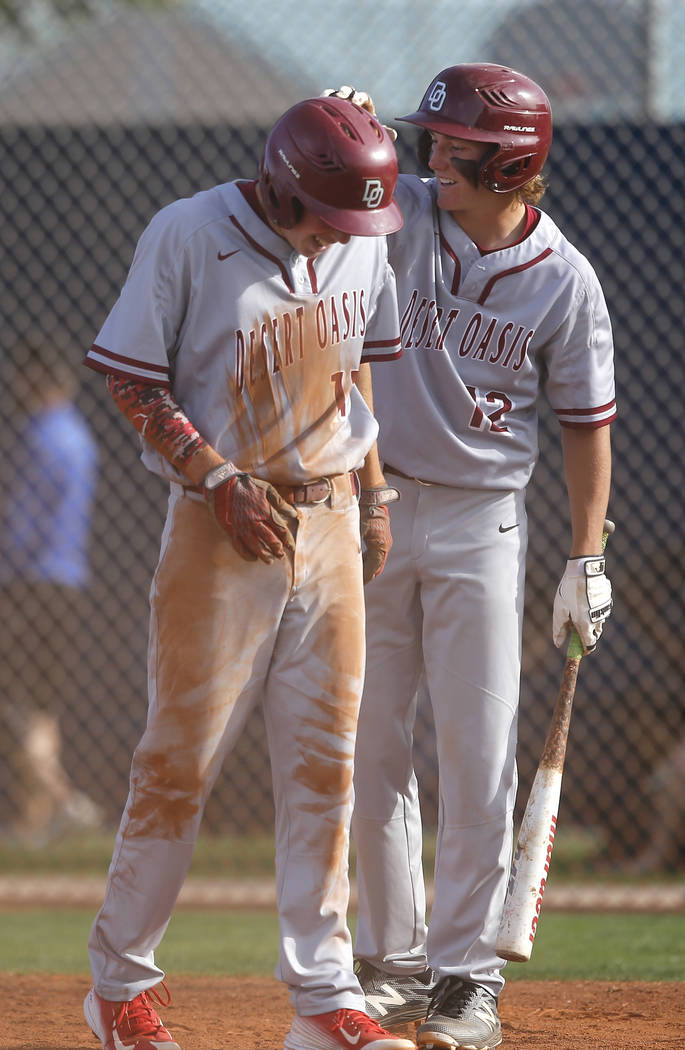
x=375, y=497
x=217, y=476
x=586, y=565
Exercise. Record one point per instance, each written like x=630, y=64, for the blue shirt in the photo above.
x=48, y=508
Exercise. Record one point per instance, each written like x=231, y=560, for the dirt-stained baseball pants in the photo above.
x=226, y=634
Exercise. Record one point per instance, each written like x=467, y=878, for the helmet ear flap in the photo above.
x=487, y=169
x=284, y=209
x=499, y=174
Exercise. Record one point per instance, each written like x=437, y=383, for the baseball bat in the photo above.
x=533, y=853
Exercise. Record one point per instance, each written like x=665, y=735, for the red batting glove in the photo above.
x=377, y=539
x=374, y=520
x=254, y=515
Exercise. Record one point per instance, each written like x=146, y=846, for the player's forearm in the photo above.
x=159, y=418
x=587, y=467
x=371, y=474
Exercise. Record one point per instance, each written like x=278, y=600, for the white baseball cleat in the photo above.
x=342, y=1030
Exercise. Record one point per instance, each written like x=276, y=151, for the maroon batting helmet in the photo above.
x=332, y=157
x=489, y=103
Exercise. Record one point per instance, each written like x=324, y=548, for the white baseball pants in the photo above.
x=451, y=597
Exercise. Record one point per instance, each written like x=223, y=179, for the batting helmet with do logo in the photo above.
x=493, y=104
x=332, y=157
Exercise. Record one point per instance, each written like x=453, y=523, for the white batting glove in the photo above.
x=583, y=600
x=360, y=98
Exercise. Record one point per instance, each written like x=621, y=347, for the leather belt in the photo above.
x=310, y=492
x=400, y=474
x=316, y=491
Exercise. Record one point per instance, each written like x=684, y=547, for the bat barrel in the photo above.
x=529, y=869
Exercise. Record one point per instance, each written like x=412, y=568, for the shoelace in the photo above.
x=451, y=993
x=356, y=1021
x=140, y=1014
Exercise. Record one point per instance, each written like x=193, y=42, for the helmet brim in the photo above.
x=445, y=126
x=372, y=222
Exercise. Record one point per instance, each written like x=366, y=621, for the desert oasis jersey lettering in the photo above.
x=260, y=346
x=280, y=341
x=481, y=336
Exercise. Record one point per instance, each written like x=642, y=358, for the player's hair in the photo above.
x=533, y=191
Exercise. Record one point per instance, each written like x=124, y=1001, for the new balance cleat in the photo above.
x=129, y=1026
x=394, y=998
x=462, y=1016
x=340, y=1030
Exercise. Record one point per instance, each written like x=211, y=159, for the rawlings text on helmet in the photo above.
x=291, y=167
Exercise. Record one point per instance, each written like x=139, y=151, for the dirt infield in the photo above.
x=44, y=1013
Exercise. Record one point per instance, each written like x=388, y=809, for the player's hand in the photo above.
x=360, y=98
x=583, y=600
x=374, y=520
x=255, y=516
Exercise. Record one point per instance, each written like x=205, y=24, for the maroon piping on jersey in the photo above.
x=506, y=273
x=312, y=276
x=129, y=362
x=262, y=251
x=249, y=192
x=457, y=265
x=592, y=424
x=393, y=344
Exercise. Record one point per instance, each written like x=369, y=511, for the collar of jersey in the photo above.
x=259, y=230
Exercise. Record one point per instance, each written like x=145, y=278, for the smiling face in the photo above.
x=312, y=236
x=455, y=164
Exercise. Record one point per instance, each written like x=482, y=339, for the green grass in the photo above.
x=612, y=947
x=230, y=856
x=578, y=854
x=568, y=946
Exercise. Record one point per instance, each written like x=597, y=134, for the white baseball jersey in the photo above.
x=481, y=335
x=260, y=345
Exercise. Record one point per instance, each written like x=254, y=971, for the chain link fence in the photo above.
x=105, y=120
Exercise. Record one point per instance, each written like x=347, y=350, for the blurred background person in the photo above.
x=48, y=468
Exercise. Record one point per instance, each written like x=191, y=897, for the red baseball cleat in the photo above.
x=135, y=1025
x=342, y=1030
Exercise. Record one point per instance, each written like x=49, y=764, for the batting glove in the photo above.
x=374, y=519
x=252, y=512
x=583, y=600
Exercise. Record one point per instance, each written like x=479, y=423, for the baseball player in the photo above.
x=496, y=307
x=239, y=349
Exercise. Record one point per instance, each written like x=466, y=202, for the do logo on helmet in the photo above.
x=438, y=94
x=373, y=193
